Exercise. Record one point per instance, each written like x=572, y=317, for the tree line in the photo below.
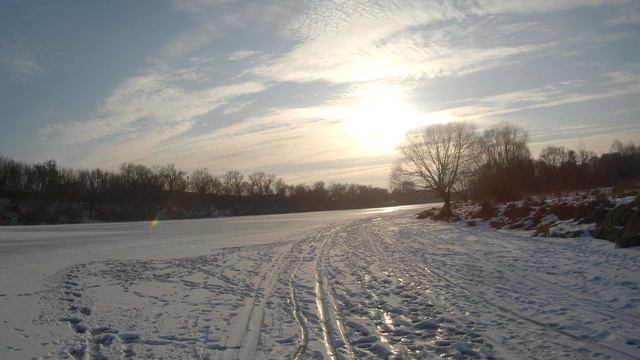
x=137, y=192
x=496, y=164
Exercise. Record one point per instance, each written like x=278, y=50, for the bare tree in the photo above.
x=502, y=163
x=267, y=184
x=260, y=183
x=319, y=186
x=137, y=176
x=280, y=187
x=554, y=155
x=217, y=187
x=433, y=157
x=503, y=145
x=172, y=178
x=201, y=181
x=233, y=183
x=585, y=156
x=623, y=149
x=337, y=190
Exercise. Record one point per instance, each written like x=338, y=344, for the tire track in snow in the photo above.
x=246, y=334
x=298, y=315
x=504, y=309
x=328, y=310
x=383, y=258
x=566, y=297
x=395, y=315
x=248, y=348
x=421, y=270
x=384, y=329
x=568, y=294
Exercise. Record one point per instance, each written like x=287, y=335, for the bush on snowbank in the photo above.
x=601, y=213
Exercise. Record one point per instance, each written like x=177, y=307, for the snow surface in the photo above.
x=343, y=284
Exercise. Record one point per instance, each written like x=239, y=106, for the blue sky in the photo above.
x=307, y=89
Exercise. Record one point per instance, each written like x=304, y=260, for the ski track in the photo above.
x=337, y=344
x=389, y=287
x=589, y=307
x=298, y=315
x=244, y=337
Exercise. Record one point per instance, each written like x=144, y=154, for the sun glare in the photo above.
x=379, y=119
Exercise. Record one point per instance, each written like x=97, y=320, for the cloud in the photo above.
x=356, y=41
x=376, y=174
x=284, y=136
x=600, y=142
x=241, y=55
x=235, y=107
x=248, y=146
x=400, y=57
x=629, y=74
x=627, y=15
x=369, y=41
x=539, y=6
x=276, y=140
x=613, y=84
x=19, y=60
x=147, y=102
x=216, y=19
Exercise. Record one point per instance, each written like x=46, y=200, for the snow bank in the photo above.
x=599, y=213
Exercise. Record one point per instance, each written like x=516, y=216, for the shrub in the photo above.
x=621, y=225
x=487, y=211
x=516, y=213
x=427, y=214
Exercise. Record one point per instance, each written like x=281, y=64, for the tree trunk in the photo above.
x=446, y=208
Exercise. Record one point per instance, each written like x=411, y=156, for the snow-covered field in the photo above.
x=343, y=284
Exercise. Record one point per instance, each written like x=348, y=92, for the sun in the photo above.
x=379, y=118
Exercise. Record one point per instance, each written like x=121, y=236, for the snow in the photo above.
x=624, y=200
x=365, y=283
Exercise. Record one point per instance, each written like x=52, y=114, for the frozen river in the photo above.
x=30, y=255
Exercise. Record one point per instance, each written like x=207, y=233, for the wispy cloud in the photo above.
x=241, y=55
x=539, y=6
x=258, y=143
x=597, y=141
x=18, y=59
x=628, y=15
x=235, y=107
x=366, y=41
x=613, y=84
x=144, y=103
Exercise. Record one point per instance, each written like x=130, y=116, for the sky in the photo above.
x=309, y=90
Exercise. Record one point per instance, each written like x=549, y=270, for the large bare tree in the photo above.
x=435, y=157
x=201, y=181
x=233, y=183
x=503, y=166
x=261, y=183
x=503, y=145
x=554, y=155
x=173, y=179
